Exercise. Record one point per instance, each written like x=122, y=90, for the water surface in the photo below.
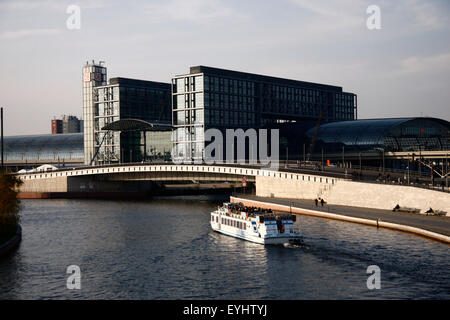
x=165, y=249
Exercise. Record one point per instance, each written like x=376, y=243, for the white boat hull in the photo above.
x=236, y=233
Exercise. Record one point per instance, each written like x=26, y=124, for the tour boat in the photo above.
x=255, y=224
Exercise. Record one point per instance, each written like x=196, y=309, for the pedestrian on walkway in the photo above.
x=317, y=202
x=322, y=202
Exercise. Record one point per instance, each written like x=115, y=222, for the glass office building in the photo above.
x=121, y=98
x=224, y=99
x=125, y=98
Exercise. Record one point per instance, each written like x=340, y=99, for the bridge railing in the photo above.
x=352, y=175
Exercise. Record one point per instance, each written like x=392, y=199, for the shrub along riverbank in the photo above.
x=9, y=206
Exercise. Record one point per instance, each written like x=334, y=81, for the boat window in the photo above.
x=212, y=218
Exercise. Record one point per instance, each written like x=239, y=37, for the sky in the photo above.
x=399, y=70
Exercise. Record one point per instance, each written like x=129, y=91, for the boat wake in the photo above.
x=295, y=245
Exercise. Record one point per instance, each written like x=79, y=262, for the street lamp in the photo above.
x=304, y=155
x=322, y=159
x=381, y=150
x=287, y=157
x=446, y=170
x=360, y=166
x=432, y=173
x=408, y=172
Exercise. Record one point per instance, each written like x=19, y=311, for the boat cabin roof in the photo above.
x=238, y=207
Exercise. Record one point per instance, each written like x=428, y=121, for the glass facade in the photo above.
x=224, y=99
x=402, y=134
x=50, y=147
x=93, y=75
x=158, y=145
x=70, y=147
x=106, y=111
x=128, y=99
x=188, y=117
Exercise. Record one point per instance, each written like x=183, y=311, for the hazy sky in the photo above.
x=403, y=69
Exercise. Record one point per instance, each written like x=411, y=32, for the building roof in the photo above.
x=139, y=83
x=373, y=133
x=263, y=78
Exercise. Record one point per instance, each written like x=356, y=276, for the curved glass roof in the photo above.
x=356, y=131
x=46, y=146
x=137, y=125
x=388, y=134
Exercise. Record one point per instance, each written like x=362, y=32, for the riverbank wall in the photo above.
x=352, y=193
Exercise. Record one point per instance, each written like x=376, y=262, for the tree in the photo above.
x=9, y=204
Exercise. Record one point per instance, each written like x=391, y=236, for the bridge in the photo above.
x=143, y=178
x=135, y=177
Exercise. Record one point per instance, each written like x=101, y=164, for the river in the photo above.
x=164, y=249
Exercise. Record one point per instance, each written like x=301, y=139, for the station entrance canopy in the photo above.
x=137, y=125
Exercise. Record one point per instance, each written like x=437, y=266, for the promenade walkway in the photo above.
x=436, y=224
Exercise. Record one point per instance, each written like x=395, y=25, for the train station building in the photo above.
x=130, y=120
